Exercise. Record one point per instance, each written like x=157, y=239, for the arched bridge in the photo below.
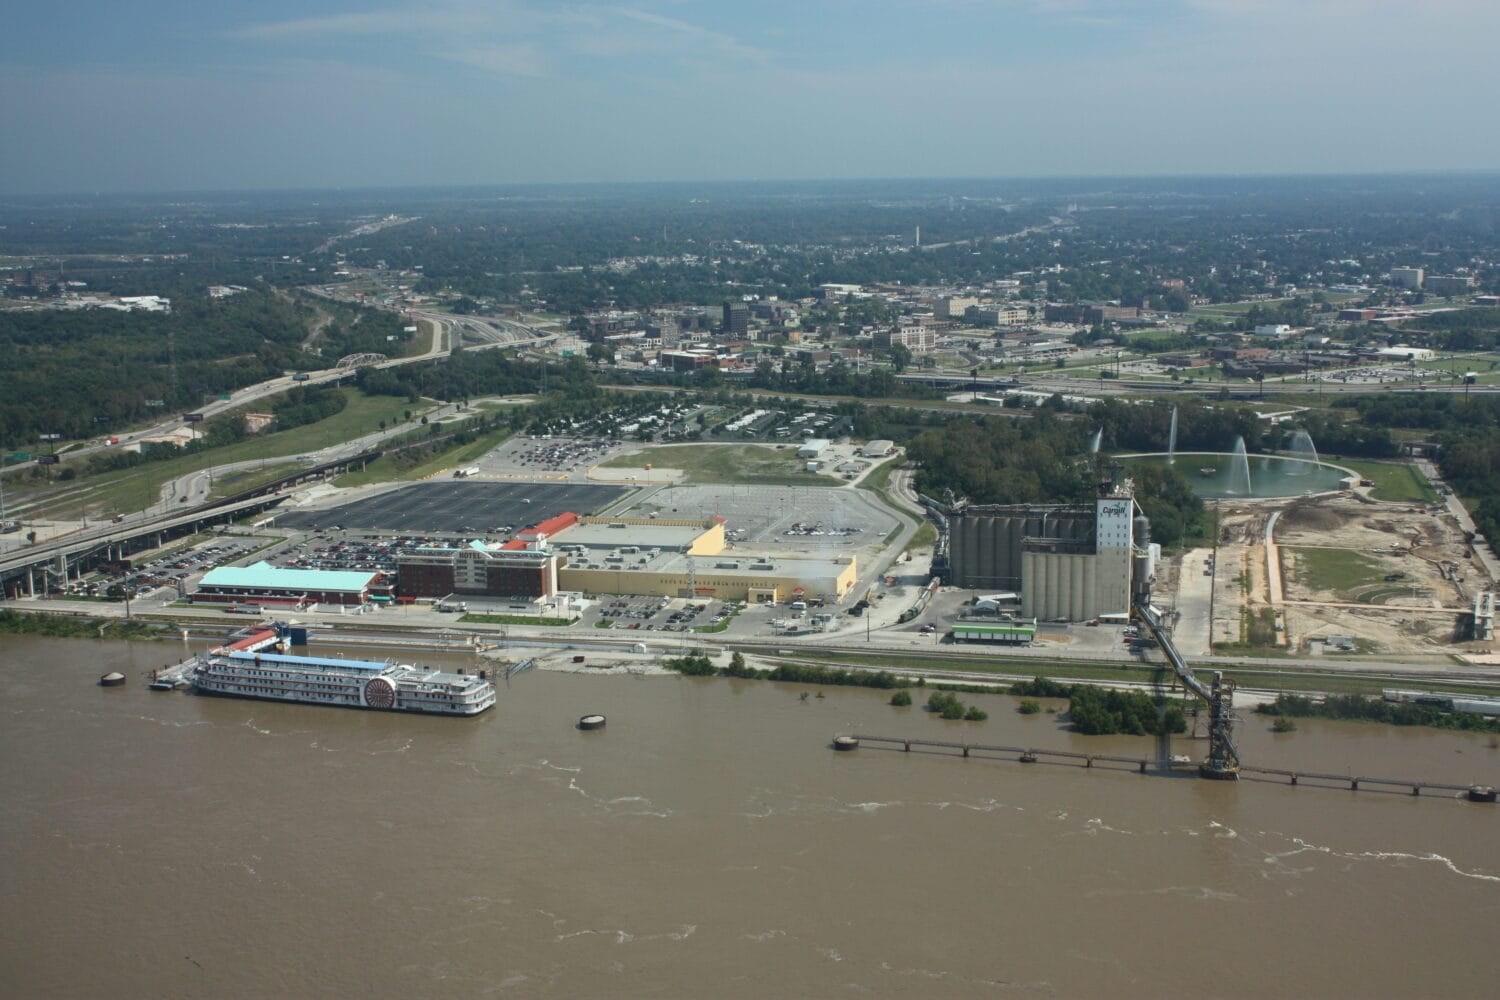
x=349, y=362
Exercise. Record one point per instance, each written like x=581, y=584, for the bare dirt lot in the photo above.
x=1395, y=578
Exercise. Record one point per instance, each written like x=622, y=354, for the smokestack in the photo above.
x=919, y=236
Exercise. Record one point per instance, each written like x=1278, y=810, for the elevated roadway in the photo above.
x=468, y=332
x=32, y=569
x=23, y=570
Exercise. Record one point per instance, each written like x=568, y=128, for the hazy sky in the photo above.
x=164, y=95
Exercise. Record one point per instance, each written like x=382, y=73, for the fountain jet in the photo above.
x=1239, y=470
x=1172, y=440
x=1302, y=447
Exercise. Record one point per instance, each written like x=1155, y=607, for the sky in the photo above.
x=182, y=95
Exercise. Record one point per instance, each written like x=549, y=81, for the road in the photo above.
x=471, y=332
x=1195, y=587
x=1484, y=551
x=197, y=486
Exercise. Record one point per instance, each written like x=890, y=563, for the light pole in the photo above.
x=3, y=457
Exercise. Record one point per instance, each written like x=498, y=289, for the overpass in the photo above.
x=69, y=556
x=39, y=568
x=485, y=333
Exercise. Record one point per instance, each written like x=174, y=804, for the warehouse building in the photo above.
x=813, y=448
x=668, y=557
x=265, y=584
x=1070, y=562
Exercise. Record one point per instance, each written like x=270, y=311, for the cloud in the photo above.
x=516, y=38
x=522, y=59
x=397, y=21
x=719, y=40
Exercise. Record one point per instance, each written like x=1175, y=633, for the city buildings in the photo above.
x=1407, y=277
x=918, y=338
x=736, y=319
x=1448, y=284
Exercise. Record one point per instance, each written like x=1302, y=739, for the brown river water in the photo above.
x=707, y=843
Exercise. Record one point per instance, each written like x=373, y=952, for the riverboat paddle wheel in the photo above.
x=379, y=693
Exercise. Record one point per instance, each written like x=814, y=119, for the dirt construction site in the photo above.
x=1330, y=575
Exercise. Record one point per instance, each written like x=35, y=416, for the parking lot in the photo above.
x=816, y=522
x=1377, y=376
x=548, y=455
x=159, y=577
x=342, y=552
x=458, y=508
x=659, y=614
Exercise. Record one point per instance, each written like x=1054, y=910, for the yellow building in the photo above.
x=664, y=557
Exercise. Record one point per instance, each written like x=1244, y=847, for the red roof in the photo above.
x=254, y=638
x=547, y=528
x=552, y=525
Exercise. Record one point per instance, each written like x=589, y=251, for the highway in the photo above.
x=1078, y=385
x=469, y=332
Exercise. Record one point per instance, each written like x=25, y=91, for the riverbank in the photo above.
x=750, y=847
x=75, y=627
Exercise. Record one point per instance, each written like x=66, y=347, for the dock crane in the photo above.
x=1223, y=761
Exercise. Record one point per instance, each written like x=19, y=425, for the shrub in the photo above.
x=696, y=665
x=1099, y=712
x=1029, y=706
x=901, y=699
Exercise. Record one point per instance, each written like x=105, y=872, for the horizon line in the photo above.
x=1433, y=172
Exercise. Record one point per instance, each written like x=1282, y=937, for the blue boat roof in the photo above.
x=373, y=666
x=267, y=577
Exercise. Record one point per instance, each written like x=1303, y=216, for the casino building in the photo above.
x=276, y=586
x=478, y=570
x=663, y=557
x=523, y=568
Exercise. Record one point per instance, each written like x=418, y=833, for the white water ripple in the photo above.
x=1303, y=847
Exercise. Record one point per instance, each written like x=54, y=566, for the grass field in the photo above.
x=925, y=535
x=1398, y=481
x=244, y=479
x=748, y=464
x=1230, y=310
x=516, y=620
x=1483, y=365
x=126, y=490
x=1335, y=570
x=389, y=469
x=879, y=478
x=421, y=343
